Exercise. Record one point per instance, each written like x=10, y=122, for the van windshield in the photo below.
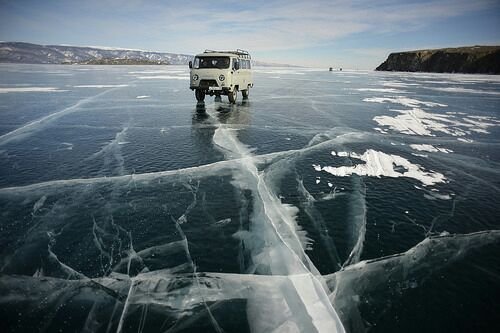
x=211, y=62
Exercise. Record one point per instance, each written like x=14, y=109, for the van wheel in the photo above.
x=233, y=96
x=200, y=95
x=245, y=93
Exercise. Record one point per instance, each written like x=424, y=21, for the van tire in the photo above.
x=200, y=95
x=245, y=93
x=233, y=96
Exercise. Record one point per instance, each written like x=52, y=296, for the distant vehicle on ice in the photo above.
x=217, y=73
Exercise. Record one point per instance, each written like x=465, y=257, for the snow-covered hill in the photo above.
x=28, y=53
x=18, y=52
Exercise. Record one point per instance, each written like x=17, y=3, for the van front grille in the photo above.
x=208, y=83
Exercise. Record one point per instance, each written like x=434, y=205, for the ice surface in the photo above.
x=319, y=223
x=360, y=283
x=275, y=244
x=40, y=123
x=120, y=215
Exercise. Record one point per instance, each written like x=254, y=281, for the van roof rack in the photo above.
x=241, y=53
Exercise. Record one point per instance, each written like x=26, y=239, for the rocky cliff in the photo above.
x=474, y=59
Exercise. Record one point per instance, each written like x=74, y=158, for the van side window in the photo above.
x=249, y=65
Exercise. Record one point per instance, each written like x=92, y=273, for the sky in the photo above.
x=353, y=34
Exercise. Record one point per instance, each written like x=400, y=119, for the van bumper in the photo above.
x=213, y=90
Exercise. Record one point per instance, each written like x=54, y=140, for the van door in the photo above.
x=237, y=73
x=246, y=73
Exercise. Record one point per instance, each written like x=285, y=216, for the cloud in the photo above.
x=296, y=24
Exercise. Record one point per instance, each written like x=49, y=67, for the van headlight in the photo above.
x=195, y=77
x=222, y=77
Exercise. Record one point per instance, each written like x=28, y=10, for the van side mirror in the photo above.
x=190, y=64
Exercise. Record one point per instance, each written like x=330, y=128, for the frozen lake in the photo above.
x=328, y=201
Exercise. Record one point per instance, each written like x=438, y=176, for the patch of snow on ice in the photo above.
x=379, y=164
x=65, y=146
x=430, y=148
x=158, y=72
x=398, y=84
x=39, y=204
x=163, y=77
x=434, y=196
x=378, y=129
x=101, y=86
x=463, y=90
x=142, y=96
x=406, y=101
x=386, y=90
x=222, y=222
x=416, y=121
x=29, y=89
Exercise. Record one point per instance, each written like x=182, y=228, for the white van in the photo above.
x=217, y=73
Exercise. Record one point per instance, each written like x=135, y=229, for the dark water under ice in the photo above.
x=327, y=201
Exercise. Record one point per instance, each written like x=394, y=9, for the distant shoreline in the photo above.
x=113, y=61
